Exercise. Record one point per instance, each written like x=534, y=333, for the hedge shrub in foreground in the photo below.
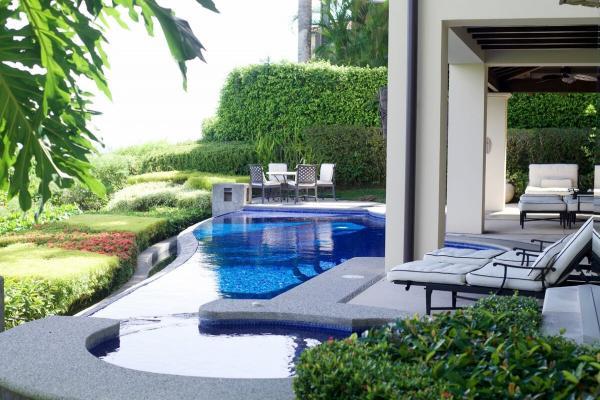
x=359, y=153
x=492, y=350
x=267, y=99
x=41, y=281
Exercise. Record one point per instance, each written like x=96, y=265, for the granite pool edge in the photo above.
x=187, y=245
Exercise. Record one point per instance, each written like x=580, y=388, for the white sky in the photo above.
x=149, y=102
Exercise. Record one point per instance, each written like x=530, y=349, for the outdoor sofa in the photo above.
x=548, y=185
x=492, y=271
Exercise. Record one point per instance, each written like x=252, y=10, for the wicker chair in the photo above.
x=306, y=179
x=258, y=181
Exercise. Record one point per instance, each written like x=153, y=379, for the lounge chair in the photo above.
x=327, y=178
x=596, y=249
x=258, y=181
x=551, y=267
x=277, y=167
x=552, y=179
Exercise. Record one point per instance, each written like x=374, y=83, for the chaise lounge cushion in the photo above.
x=583, y=204
x=431, y=271
x=453, y=255
x=491, y=276
x=550, y=203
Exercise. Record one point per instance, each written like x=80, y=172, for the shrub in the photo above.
x=359, y=153
x=178, y=219
x=530, y=146
x=221, y=158
x=163, y=176
x=201, y=180
x=145, y=196
x=554, y=110
x=269, y=98
x=492, y=350
x=41, y=281
x=12, y=219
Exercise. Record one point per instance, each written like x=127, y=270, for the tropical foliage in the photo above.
x=354, y=32
x=47, y=49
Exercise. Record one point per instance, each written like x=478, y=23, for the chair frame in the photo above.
x=430, y=287
x=327, y=185
x=297, y=183
x=264, y=190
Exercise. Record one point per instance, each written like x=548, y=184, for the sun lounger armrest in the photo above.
x=527, y=254
x=541, y=243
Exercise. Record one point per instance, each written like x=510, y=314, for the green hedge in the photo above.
x=222, y=158
x=41, y=281
x=554, y=110
x=492, y=350
x=359, y=153
x=273, y=99
x=551, y=145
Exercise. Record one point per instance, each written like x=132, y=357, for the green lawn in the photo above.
x=191, y=179
x=115, y=222
x=29, y=260
x=361, y=194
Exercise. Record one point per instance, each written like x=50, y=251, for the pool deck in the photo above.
x=49, y=358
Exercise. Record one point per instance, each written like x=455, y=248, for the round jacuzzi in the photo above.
x=179, y=346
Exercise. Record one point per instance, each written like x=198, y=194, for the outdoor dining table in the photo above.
x=282, y=178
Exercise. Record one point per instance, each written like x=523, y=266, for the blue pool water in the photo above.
x=259, y=255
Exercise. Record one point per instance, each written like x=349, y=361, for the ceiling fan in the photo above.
x=568, y=77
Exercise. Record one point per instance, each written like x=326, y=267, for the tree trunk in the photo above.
x=304, y=25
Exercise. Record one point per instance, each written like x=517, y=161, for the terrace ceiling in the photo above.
x=534, y=38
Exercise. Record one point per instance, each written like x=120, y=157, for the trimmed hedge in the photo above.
x=359, y=153
x=491, y=350
x=221, y=158
x=277, y=99
x=41, y=281
x=551, y=145
x=554, y=110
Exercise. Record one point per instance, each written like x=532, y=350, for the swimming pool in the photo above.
x=259, y=255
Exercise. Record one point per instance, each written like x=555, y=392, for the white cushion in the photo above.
x=326, y=172
x=277, y=167
x=454, y=255
x=551, y=203
x=548, y=257
x=540, y=191
x=596, y=244
x=267, y=184
x=431, y=271
x=583, y=204
x=572, y=248
x=537, y=172
x=515, y=257
x=324, y=183
x=492, y=276
x=556, y=183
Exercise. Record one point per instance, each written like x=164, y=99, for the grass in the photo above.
x=361, y=194
x=114, y=222
x=29, y=260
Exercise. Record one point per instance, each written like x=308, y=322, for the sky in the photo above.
x=148, y=100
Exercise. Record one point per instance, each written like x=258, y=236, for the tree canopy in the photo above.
x=354, y=32
x=47, y=48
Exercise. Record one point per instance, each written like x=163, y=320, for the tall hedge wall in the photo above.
x=554, y=110
x=270, y=98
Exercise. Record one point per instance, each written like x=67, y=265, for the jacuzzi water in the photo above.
x=177, y=346
x=243, y=255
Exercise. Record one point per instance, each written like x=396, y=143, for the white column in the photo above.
x=495, y=161
x=466, y=148
x=396, y=137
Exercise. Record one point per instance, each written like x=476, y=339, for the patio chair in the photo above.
x=552, y=267
x=277, y=167
x=552, y=179
x=306, y=179
x=258, y=181
x=327, y=178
